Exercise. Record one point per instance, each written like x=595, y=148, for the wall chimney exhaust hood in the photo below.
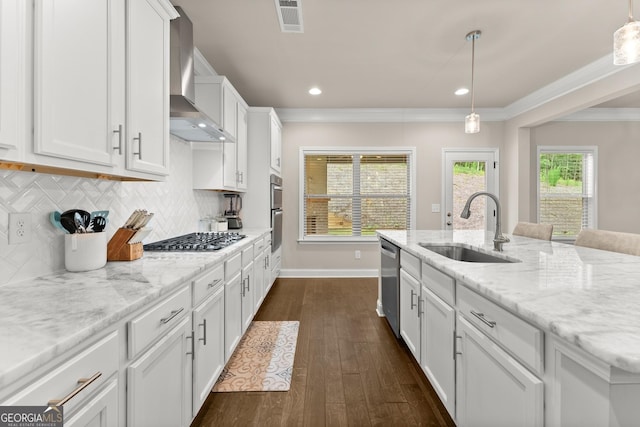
x=186, y=120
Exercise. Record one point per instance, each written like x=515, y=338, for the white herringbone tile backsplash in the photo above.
x=177, y=208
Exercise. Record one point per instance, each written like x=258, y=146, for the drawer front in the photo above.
x=410, y=263
x=152, y=324
x=208, y=283
x=247, y=256
x=258, y=245
x=439, y=283
x=232, y=266
x=87, y=372
x=517, y=336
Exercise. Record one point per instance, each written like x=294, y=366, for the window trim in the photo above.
x=410, y=151
x=569, y=149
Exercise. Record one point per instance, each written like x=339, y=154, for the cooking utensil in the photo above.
x=104, y=214
x=98, y=223
x=68, y=220
x=54, y=217
x=79, y=221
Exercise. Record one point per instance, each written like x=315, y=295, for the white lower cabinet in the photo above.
x=437, y=353
x=208, y=326
x=232, y=304
x=492, y=388
x=100, y=411
x=159, y=381
x=409, y=312
x=248, y=309
x=82, y=384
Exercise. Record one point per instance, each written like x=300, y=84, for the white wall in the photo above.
x=429, y=140
x=176, y=206
x=618, y=172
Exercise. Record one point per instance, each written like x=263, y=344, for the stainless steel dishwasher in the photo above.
x=390, y=274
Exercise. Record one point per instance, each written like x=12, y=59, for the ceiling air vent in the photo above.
x=290, y=15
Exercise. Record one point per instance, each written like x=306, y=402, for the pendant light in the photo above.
x=626, y=41
x=472, y=121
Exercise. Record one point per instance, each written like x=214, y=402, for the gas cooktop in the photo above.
x=196, y=242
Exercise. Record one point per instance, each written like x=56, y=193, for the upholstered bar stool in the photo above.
x=614, y=241
x=535, y=231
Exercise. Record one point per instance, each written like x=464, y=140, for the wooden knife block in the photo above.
x=119, y=250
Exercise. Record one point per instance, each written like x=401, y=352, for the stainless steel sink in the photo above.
x=458, y=252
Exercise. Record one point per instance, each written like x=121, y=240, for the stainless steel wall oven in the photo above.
x=276, y=212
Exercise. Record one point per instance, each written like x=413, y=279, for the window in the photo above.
x=567, y=189
x=349, y=193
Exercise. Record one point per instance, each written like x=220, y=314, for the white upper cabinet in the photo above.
x=241, y=148
x=147, y=87
x=221, y=165
x=276, y=145
x=73, y=87
x=101, y=86
x=14, y=54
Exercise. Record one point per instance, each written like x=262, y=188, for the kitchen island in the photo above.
x=51, y=322
x=581, y=308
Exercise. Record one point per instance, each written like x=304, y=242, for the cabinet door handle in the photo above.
x=212, y=284
x=119, y=132
x=193, y=345
x=139, y=139
x=480, y=316
x=242, y=288
x=241, y=177
x=204, y=330
x=82, y=384
x=455, y=345
x=420, y=303
x=412, y=295
x=171, y=315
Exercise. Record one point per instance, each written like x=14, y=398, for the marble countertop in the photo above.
x=588, y=297
x=46, y=316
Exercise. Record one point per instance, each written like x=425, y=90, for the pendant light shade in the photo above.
x=472, y=121
x=626, y=41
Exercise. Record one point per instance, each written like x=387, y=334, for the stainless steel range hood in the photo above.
x=186, y=120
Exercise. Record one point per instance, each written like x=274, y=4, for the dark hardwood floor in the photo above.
x=349, y=369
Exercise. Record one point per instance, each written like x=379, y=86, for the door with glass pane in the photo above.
x=467, y=172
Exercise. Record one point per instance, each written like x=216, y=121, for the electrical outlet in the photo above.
x=357, y=254
x=19, y=228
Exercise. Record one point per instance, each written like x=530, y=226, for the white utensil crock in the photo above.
x=85, y=251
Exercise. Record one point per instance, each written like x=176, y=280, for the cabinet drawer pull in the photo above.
x=204, y=332
x=412, y=295
x=480, y=316
x=82, y=384
x=212, y=284
x=119, y=132
x=139, y=139
x=173, y=314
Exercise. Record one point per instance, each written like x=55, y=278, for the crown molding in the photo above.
x=603, y=115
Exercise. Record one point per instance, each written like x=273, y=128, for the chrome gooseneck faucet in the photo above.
x=498, y=239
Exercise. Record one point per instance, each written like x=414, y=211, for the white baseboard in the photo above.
x=300, y=273
x=379, y=309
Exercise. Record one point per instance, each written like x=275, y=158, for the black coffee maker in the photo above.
x=232, y=206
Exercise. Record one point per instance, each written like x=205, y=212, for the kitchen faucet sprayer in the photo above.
x=498, y=239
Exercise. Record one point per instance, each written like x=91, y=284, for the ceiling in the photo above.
x=401, y=53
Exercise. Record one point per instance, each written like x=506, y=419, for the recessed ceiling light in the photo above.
x=202, y=125
x=315, y=91
x=461, y=91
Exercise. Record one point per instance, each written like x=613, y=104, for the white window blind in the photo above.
x=567, y=190
x=351, y=194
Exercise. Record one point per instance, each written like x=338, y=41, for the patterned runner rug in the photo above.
x=263, y=360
